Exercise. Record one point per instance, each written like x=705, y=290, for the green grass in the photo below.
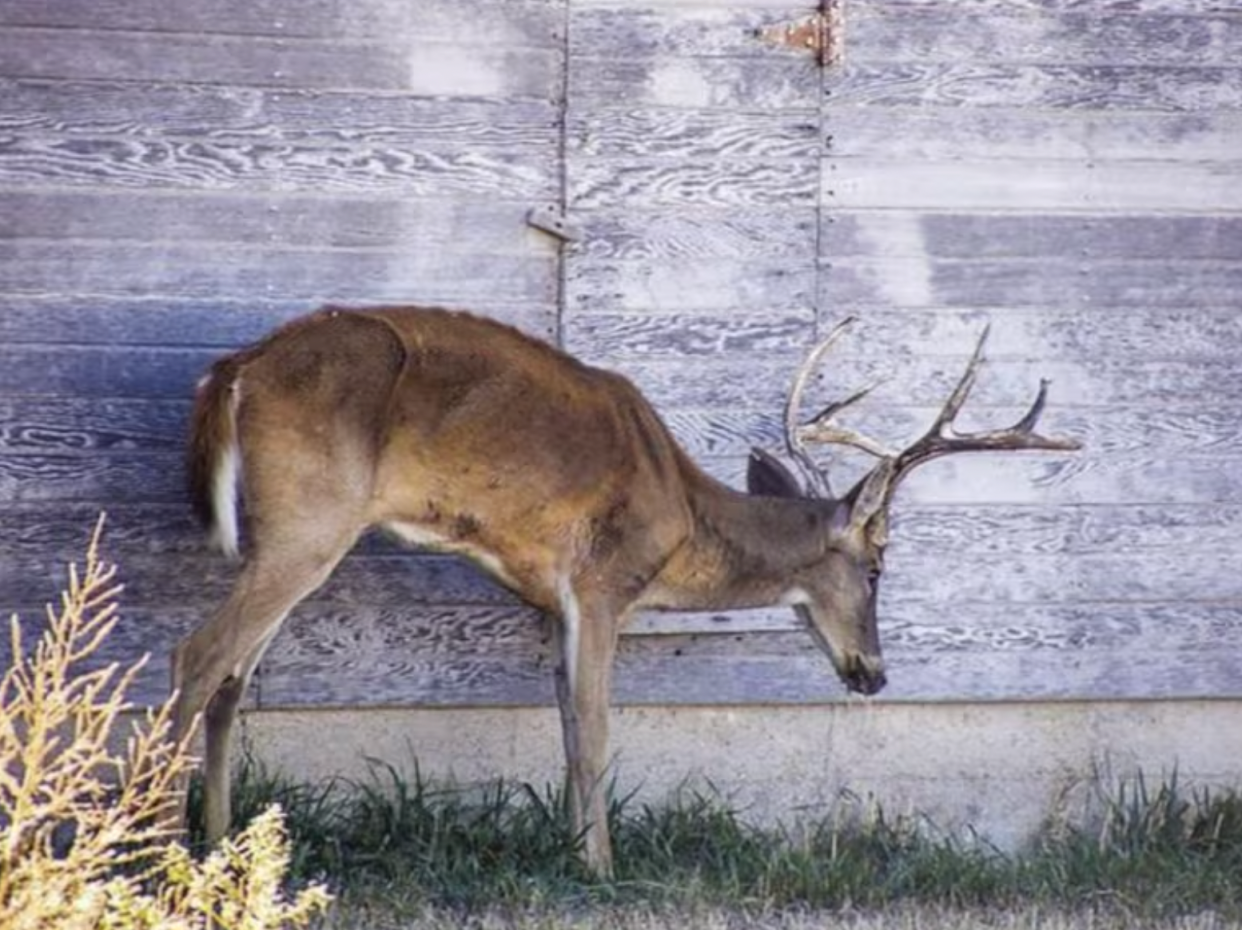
x=403, y=845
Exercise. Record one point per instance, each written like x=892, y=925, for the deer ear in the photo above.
x=872, y=497
x=767, y=477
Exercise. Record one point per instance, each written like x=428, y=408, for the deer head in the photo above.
x=838, y=604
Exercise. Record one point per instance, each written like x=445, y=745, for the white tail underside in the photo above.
x=224, y=490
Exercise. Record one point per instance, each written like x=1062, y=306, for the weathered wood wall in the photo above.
x=174, y=178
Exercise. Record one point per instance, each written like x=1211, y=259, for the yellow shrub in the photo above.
x=86, y=839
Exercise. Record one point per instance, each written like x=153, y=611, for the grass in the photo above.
x=408, y=848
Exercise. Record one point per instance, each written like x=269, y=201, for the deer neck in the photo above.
x=742, y=551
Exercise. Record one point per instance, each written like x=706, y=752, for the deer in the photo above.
x=457, y=433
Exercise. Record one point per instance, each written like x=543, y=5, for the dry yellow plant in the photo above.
x=86, y=837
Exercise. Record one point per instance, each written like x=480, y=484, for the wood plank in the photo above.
x=113, y=478
x=1138, y=332
x=138, y=633
x=302, y=116
x=628, y=31
x=78, y=54
x=629, y=132
x=61, y=531
x=1097, y=285
x=1150, y=333
x=654, y=233
x=1119, y=7
x=387, y=63
x=1031, y=185
x=593, y=286
x=1019, y=133
x=1177, y=531
x=1064, y=236
x=426, y=657
x=315, y=275
x=101, y=372
x=1004, y=35
x=140, y=164
x=719, y=183
x=221, y=322
x=272, y=220
x=1086, y=383
x=370, y=657
x=515, y=22
x=1108, y=651
x=1054, y=87
x=42, y=425
x=686, y=335
x=765, y=84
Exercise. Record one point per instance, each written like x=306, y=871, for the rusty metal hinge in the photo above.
x=823, y=32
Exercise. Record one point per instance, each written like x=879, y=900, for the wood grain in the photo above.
x=696, y=83
x=710, y=135
x=270, y=167
x=502, y=126
x=1088, y=186
x=633, y=31
x=989, y=130
x=1170, y=89
x=592, y=286
x=1086, y=284
x=697, y=231
x=79, y=54
x=1083, y=36
x=174, y=321
x=35, y=267
x=1042, y=235
x=271, y=220
x=516, y=22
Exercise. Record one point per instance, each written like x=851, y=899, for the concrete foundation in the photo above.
x=997, y=769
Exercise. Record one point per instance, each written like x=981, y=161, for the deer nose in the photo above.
x=865, y=676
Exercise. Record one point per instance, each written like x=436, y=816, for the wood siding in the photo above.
x=176, y=178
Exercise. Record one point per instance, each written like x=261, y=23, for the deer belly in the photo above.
x=417, y=534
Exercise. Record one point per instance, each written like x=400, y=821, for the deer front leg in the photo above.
x=587, y=642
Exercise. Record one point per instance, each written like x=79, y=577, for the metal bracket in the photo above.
x=551, y=220
x=823, y=32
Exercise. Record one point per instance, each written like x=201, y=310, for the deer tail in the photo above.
x=213, y=457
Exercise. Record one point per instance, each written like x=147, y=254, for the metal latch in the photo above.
x=551, y=220
x=823, y=32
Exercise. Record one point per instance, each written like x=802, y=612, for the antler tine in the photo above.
x=816, y=479
x=941, y=439
x=964, y=386
x=820, y=429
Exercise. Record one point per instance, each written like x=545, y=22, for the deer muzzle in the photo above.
x=863, y=674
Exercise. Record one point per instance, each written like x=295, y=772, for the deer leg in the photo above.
x=211, y=667
x=587, y=645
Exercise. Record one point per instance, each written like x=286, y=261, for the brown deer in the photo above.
x=463, y=435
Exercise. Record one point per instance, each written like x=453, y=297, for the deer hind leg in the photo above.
x=586, y=637
x=211, y=666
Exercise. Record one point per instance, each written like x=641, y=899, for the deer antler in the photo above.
x=820, y=428
x=941, y=439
